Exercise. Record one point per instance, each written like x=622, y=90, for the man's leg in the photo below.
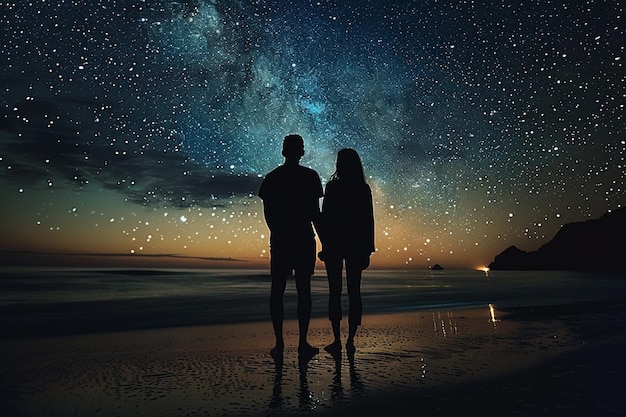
x=303, y=286
x=279, y=284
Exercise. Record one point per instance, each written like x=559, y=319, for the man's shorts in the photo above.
x=292, y=255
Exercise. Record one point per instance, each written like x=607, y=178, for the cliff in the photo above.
x=591, y=245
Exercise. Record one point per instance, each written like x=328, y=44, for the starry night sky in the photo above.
x=144, y=127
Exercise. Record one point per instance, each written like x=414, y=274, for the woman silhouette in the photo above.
x=347, y=236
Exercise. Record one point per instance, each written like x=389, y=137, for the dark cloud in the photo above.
x=39, y=146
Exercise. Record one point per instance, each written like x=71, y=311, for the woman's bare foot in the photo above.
x=350, y=346
x=334, y=347
x=307, y=351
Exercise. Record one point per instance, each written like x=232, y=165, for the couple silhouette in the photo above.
x=345, y=226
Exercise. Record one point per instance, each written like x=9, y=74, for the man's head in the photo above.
x=293, y=147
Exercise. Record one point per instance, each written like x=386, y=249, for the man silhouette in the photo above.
x=290, y=195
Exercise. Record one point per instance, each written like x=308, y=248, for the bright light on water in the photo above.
x=492, y=311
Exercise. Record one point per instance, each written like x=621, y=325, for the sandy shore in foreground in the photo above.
x=561, y=362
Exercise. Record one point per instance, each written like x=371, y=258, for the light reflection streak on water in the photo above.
x=446, y=324
x=492, y=312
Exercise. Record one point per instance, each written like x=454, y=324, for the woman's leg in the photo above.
x=354, y=273
x=334, y=271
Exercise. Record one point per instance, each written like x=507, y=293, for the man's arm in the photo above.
x=267, y=213
x=316, y=214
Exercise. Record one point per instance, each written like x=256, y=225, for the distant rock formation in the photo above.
x=437, y=267
x=592, y=245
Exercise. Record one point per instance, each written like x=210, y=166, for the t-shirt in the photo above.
x=290, y=195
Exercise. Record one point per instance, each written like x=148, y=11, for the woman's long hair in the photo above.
x=349, y=167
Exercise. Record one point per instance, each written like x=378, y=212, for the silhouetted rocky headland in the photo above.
x=583, y=246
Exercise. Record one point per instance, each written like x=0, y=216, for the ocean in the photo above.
x=47, y=302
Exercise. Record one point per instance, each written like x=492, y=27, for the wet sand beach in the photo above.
x=565, y=360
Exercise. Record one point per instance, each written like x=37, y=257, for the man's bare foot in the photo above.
x=277, y=352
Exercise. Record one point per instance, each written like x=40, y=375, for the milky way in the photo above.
x=480, y=125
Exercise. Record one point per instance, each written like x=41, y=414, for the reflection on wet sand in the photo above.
x=336, y=386
x=444, y=324
x=217, y=370
x=357, y=387
x=307, y=399
x=276, y=402
x=492, y=312
x=356, y=383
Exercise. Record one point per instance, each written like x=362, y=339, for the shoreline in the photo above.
x=62, y=303
x=557, y=362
